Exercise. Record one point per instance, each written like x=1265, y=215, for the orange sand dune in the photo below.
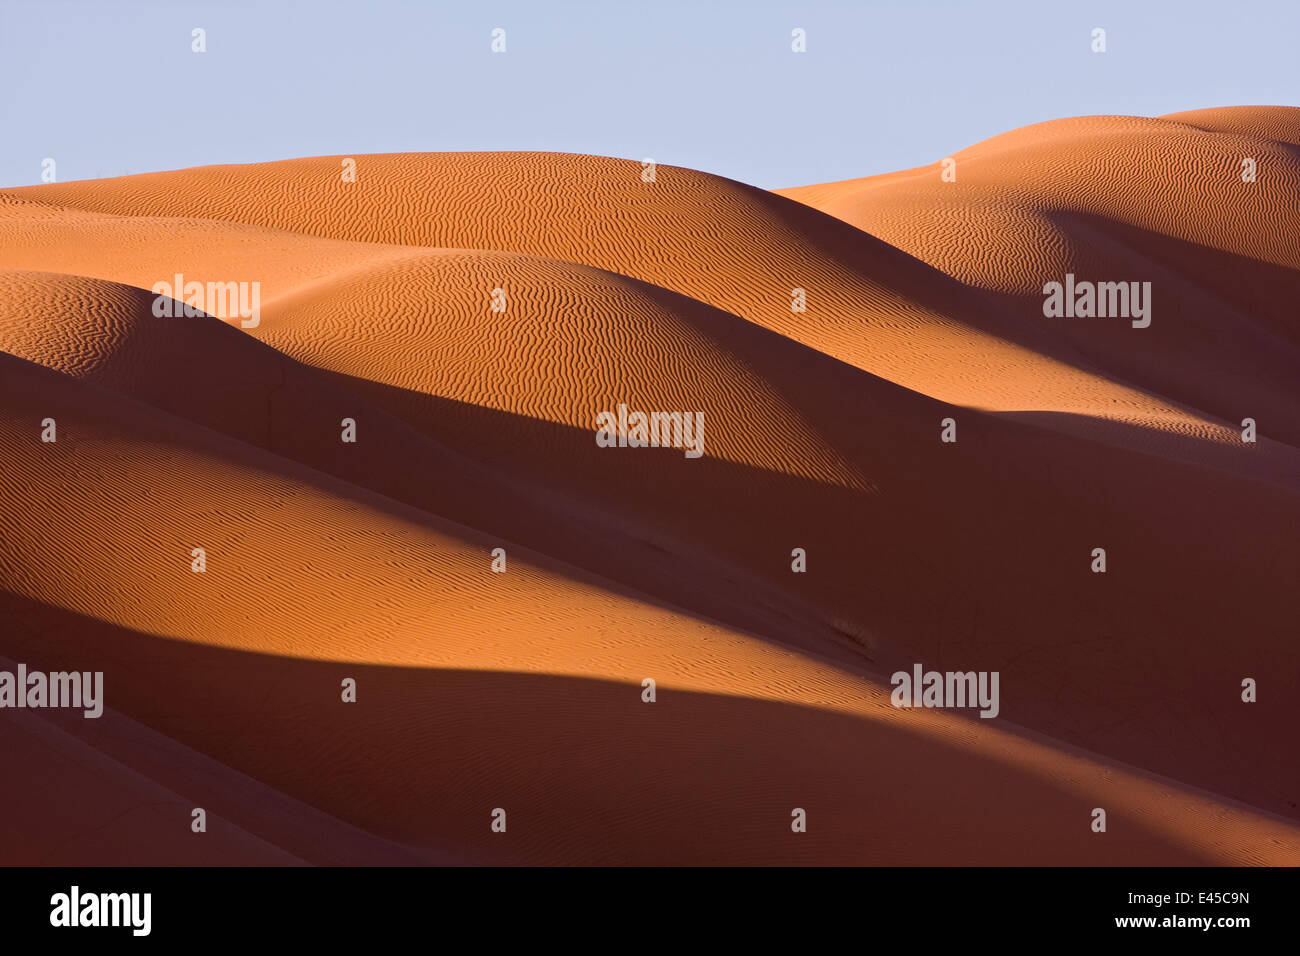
x=111, y=792
x=1114, y=199
x=521, y=691
x=717, y=241
x=476, y=430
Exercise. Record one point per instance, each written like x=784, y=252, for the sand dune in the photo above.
x=1114, y=198
x=717, y=241
x=476, y=430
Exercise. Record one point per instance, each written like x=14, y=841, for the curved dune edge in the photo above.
x=509, y=647
x=1113, y=199
x=1023, y=792
x=719, y=242
x=132, y=794
x=524, y=687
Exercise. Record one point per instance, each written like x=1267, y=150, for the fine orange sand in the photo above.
x=475, y=431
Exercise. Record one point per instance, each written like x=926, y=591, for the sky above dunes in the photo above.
x=710, y=85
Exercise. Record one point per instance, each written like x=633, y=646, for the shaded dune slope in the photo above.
x=1122, y=199
x=521, y=691
x=715, y=240
x=475, y=431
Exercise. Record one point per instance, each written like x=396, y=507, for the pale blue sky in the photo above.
x=112, y=87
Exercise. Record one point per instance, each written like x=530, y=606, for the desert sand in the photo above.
x=373, y=560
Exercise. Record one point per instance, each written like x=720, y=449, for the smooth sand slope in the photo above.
x=715, y=240
x=1122, y=198
x=476, y=430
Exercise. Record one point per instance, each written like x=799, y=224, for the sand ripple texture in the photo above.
x=471, y=315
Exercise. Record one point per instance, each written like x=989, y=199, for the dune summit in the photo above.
x=303, y=464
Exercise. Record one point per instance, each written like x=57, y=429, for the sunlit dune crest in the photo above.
x=383, y=464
